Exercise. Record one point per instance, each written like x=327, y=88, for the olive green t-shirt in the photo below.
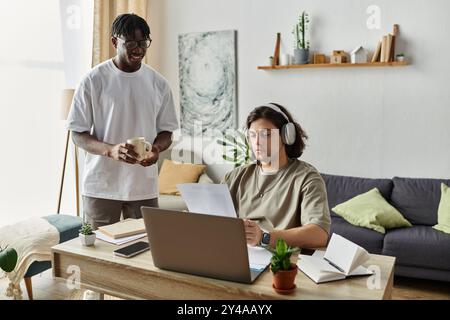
x=294, y=196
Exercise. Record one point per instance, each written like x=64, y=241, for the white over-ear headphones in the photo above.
x=288, y=132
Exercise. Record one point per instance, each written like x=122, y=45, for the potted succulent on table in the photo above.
x=301, y=48
x=87, y=236
x=284, y=271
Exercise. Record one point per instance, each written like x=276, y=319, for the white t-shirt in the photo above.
x=115, y=106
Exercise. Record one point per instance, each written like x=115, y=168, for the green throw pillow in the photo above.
x=370, y=210
x=444, y=210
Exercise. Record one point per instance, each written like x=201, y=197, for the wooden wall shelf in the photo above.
x=336, y=65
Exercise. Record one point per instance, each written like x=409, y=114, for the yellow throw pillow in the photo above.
x=370, y=210
x=172, y=173
x=444, y=210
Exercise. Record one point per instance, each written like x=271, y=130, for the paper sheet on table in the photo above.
x=258, y=258
x=213, y=199
x=119, y=241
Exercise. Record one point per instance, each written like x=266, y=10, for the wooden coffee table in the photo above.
x=138, y=278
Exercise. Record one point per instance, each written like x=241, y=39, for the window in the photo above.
x=45, y=47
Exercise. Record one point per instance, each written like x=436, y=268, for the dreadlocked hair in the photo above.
x=126, y=24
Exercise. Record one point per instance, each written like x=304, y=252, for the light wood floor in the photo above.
x=47, y=288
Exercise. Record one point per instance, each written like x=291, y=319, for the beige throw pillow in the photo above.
x=172, y=173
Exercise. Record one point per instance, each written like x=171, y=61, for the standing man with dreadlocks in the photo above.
x=119, y=99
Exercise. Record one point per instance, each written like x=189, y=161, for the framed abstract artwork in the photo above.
x=207, y=71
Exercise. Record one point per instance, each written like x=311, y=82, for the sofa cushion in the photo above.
x=417, y=199
x=444, y=210
x=173, y=173
x=370, y=240
x=418, y=246
x=343, y=188
x=370, y=210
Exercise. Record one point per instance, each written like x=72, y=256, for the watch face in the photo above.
x=266, y=238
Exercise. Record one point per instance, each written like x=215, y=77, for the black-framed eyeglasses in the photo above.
x=131, y=44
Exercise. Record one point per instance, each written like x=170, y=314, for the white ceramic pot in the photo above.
x=87, y=240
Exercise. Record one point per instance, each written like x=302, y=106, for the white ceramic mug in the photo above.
x=141, y=147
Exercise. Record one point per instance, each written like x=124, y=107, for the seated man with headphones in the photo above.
x=279, y=195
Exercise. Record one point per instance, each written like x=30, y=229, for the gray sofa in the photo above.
x=421, y=251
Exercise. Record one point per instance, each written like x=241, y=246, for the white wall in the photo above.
x=372, y=122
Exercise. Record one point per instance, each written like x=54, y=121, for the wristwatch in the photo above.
x=265, y=239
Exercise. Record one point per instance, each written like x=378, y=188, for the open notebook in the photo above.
x=342, y=259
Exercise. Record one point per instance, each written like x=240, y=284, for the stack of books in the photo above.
x=122, y=232
x=385, y=50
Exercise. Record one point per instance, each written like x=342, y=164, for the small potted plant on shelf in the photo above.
x=87, y=236
x=284, y=271
x=400, y=57
x=301, y=48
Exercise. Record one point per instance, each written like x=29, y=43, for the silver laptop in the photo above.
x=199, y=244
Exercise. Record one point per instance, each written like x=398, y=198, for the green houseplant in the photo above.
x=87, y=235
x=235, y=148
x=301, y=48
x=8, y=259
x=284, y=271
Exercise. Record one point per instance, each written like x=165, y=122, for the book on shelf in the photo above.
x=383, y=49
x=342, y=259
x=124, y=228
x=395, y=31
x=392, y=49
x=388, y=48
x=377, y=52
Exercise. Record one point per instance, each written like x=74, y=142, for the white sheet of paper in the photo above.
x=213, y=199
x=258, y=257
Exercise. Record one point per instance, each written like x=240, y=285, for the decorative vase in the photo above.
x=400, y=58
x=301, y=56
x=87, y=240
x=284, y=280
x=285, y=59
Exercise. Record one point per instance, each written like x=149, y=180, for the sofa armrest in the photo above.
x=204, y=179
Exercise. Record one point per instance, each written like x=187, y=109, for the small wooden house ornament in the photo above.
x=358, y=55
x=319, y=58
x=338, y=56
